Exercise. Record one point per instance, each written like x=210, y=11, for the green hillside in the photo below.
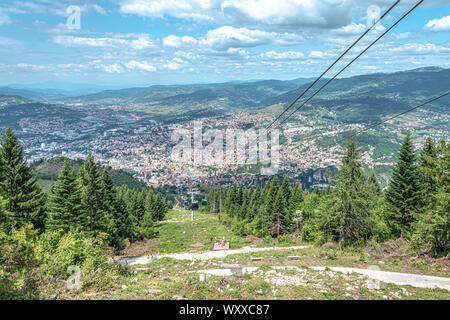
x=47, y=172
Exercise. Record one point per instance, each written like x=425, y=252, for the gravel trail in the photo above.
x=207, y=255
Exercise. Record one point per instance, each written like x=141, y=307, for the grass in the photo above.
x=168, y=279
x=165, y=279
x=179, y=232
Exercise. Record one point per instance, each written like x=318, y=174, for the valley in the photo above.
x=131, y=129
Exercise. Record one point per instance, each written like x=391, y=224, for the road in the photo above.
x=206, y=255
x=414, y=280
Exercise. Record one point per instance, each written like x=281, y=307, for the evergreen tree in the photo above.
x=269, y=203
x=429, y=169
x=404, y=192
x=24, y=199
x=286, y=189
x=65, y=209
x=92, y=192
x=287, y=197
x=279, y=224
x=373, y=186
x=297, y=197
x=111, y=219
x=349, y=202
x=434, y=227
x=146, y=227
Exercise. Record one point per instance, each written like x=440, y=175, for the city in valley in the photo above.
x=245, y=151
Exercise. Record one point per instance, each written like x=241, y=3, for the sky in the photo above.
x=144, y=42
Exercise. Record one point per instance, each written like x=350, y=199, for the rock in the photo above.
x=229, y=266
x=328, y=245
x=154, y=292
x=223, y=282
x=234, y=268
x=142, y=269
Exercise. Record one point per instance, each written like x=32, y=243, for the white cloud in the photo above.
x=229, y=37
x=320, y=54
x=9, y=42
x=283, y=55
x=265, y=14
x=185, y=9
x=99, y=9
x=72, y=41
x=174, y=41
x=113, y=68
x=439, y=25
x=4, y=18
x=31, y=66
x=142, y=65
x=412, y=49
x=175, y=64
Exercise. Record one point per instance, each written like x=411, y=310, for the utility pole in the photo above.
x=183, y=198
x=192, y=192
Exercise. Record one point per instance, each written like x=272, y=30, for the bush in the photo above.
x=33, y=266
x=18, y=264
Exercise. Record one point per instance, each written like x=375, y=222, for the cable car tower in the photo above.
x=192, y=192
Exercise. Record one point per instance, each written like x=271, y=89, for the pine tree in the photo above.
x=269, y=203
x=91, y=192
x=297, y=197
x=65, y=209
x=434, y=227
x=404, y=192
x=428, y=168
x=349, y=202
x=373, y=186
x=287, y=197
x=111, y=219
x=279, y=223
x=3, y=217
x=146, y=227
x=287, y=193
x=24, y=199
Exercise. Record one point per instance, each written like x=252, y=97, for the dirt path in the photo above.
x=414, y=280
x=207, y=255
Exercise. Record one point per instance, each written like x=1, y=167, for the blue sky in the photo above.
x=143, y=42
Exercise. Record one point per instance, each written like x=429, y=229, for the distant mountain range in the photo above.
x=372, y=97
x=60, y=91
x=359, y=98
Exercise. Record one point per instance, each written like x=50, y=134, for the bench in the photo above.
x=218, y=246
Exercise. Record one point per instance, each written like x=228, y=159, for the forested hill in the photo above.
x=375, y=94
x=47, y=172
